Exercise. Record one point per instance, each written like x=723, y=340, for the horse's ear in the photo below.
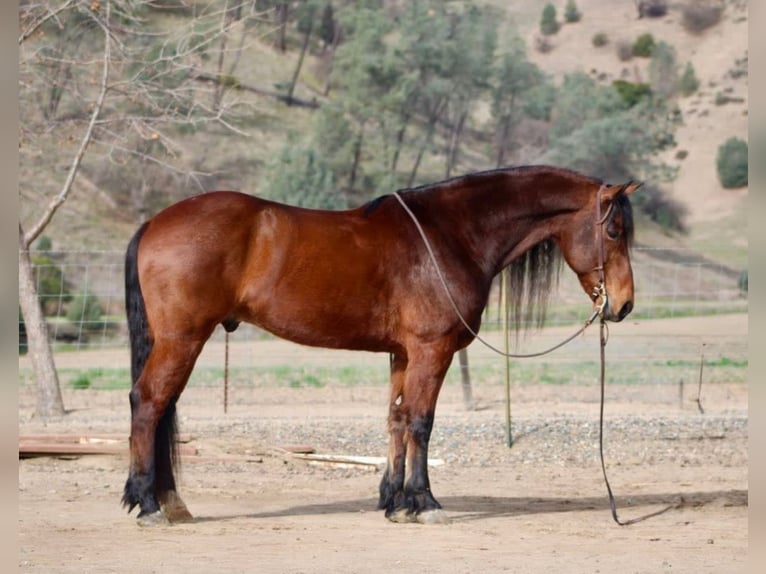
x=612, y=191
x=631, y=186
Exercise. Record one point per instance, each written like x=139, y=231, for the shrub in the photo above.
x=688, y=82
x=44, y=243
x=723, y=98
x=600, y=39
x=631, y=93
x=624, y=51
x=543, y=44
x=548, y=23
x=82, y=382
x=652, y=8
x=732, y=163
x=663, y=71
x=85, y=309
x=52, y=289
x=698, y=16
x=571, y=13
x=644, y=46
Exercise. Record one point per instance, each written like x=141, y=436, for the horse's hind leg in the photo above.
x=165, y=457
x=151, y=482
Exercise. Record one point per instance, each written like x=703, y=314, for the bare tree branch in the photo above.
x=43, y=19
x=53, y=206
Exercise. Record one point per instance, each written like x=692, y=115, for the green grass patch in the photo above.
x=719, y=362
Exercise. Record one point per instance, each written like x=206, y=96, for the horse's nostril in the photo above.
x=626, y=309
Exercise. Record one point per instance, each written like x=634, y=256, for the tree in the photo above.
x=369, y=72
x=327, y=26
x=594, y=131
x=514, y=77
x=306, y=16
x=299, y=176
x=126, y=85
x=548, y=23
x=580, y=100
x=50, y=402
x=471, y=50
x=230, y=16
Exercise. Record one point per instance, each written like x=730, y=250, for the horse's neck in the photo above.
x=502, y=224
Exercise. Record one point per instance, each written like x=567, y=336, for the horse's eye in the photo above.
x=613, y=231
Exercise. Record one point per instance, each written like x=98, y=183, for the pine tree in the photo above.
x=548, y=23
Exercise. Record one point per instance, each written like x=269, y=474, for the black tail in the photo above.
x=140, y=343
x=166, y=436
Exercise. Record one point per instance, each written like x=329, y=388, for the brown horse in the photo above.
x=357, y=279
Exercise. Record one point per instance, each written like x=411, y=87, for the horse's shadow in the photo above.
x=471, y=508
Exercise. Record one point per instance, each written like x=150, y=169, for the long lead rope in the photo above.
x=602, y=344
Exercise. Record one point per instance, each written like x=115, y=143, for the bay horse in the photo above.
x=360, y=279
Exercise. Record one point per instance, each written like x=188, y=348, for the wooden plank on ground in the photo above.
x=32, y=448
x=77, y=437
x=345, y=459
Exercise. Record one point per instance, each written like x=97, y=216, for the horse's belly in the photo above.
x=324, y=321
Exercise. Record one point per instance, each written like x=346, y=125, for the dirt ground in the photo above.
x=540, y=506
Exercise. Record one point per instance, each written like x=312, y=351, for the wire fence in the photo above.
x=82, y=295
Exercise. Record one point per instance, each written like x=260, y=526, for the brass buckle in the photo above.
x=599, y=298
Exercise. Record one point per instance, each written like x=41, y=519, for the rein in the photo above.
x=600, y=301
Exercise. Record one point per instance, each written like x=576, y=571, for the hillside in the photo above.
x=716, y=220
x=716, y=216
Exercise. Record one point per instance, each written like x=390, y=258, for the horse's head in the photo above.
x=596, y=247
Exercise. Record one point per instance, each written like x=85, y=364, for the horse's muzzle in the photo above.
x=624, y=311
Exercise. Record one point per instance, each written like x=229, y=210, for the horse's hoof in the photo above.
x=179, y=515
x=401, y=516
x=435, y=516
x=156, y=518
x=175, y=510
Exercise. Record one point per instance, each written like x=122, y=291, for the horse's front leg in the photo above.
x=422, y=381
x=392, y=485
